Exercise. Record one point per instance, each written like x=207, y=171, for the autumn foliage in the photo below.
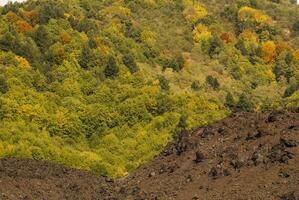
x=268, y=51
x=65, y=37
x=248, y=14
x=23, y=26
x=296, y=55
x=249, y=36
x=227, y=37
x=201, y=33
x=31, y=16
x=12, y=17
x=23, y=63
x=193, y=13
x=283, y=46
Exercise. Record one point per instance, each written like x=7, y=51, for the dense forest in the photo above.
x=104, y=85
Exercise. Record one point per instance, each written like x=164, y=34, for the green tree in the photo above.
x=291, y=90
x=50, y=10
x=216, y=45
x=282, y=69
x=177, y=63
x=195, y=85
x=296, y=26
x=130, y=63
x=42, y=38
x=244, y=104
x=213, y=82
x=85, y=56
x=289, y=58
x=229, y=101
x=7, y=41
x=111, y=69
x=56, y=54
x=87, y=25
x=164, y=83
x=3, y=85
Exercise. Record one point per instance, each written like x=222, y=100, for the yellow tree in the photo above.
x=149, y=37
x=23, y=63
x=195, y=12
x=248, y=14
x=296, y=55
x=268, y=51
x=249, y=36
x=201, y=33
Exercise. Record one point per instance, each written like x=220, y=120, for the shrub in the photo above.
x=296, y=26
x=164, y=83
x=3, y=85
x=195, y=85
x=291, y=90
x=216, y=45
x=244, y=104
x=213, y=82
x=229, y=101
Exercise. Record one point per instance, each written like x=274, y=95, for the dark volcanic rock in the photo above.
x=289, y=196
x=278, y=153
x=288, y=143
x=213, y=172
x=199, y=157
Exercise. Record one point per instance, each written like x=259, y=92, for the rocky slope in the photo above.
x=245, y=156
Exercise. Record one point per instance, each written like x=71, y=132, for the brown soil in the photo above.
x=246, y=156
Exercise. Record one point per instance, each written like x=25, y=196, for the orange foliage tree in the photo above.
x=32, y=16
x=296, y=55
x=282, y=46
x=268, y=51
x=227, y=37
x=12, y=17
x=23, y=26
x=65, y=37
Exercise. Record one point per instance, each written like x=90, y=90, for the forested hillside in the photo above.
x=104, y=85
